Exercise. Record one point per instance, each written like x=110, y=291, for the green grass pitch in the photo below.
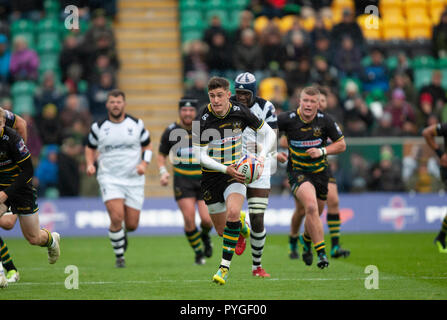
x=162, y=268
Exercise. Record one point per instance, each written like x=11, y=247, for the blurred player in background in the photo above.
x=307, y=130
x=8, y=220
x=429, y=134
x=218, y=145
x=333, y=213
x=18, y=193
x=176, y=141
x=122, y=147
x=257, y=191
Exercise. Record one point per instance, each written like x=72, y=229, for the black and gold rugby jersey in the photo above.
x=13, y=152
x=176, y=142
x=302, y=135
x=223, y=134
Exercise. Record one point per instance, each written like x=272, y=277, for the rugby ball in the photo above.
x=250, y=167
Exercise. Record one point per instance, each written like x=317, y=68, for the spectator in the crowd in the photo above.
x=70, y=55
x=425, y=114
x=402, y=113
x=24, y=61
x=215, y=27
x=199, y=90
x=48, y=92
x=271, y=43
x=219, y=56
x=245, y=22
x=333, y=107
x=385, y=127
x=75, y=108
x=359, y=172
x=439, y=37
x=423, y=181
x=376, y=74
x=247, y=55
x=194, y=59
x=298, y=77
x=319, y=31
x=297, y=27
x=386, y=175
x=323, y=74
x=348, y=59
x=47, y=171
x=434, y=88
x=348, y=27
x=49, y=126
x=404, y=66
x=97, y=96
x=109, y=6
x=34, y=142
x=401, y=80
x=296, y=64
x=26, y=9
x=358, y=119
x=5, y=58
x=98, y=28
x=69, y=179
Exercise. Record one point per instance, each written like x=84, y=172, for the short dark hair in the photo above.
x=323, y=90
x=116, y=93
x=218, y=82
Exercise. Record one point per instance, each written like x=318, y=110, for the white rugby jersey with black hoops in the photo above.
x=119, y=146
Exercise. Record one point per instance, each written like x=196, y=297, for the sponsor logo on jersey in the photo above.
x=225, y=140
x=307, y=143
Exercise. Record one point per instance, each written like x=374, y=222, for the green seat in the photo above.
x=423, y=62
x=422, y=77
x=23, y=88
x=48, y=46
x=392, y=63
x=52, y=8
x=191, y=19
x=190, y=4
x=216, y=4
x=48, y=25
x=22, y=26
x=48, y=36
x=442, y=63
x=444, y=79
x=23, y=104
x=239, y=4
x=48, y=61
x=366, y=61
x=190, y=35
x=375, y=95
x=83, y=27
x=233, y=20
x=222, y=14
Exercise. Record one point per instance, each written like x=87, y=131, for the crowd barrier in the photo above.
x=366, y=212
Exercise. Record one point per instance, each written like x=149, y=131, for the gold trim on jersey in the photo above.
x=9, y=169
x=218, y=116
x=315, y=164
x=299, y=154
x=188, y=172
x=226, y=148
x=29, y=155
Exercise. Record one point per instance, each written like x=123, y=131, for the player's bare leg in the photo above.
x=206, y=225
x=188, y=209
x=295, y=225
x=8, y=221
x=117, y=234
x=40, y=237
x=306, y=195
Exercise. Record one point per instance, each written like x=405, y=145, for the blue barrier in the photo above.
x=366, y=212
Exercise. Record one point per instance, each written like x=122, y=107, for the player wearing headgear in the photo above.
x=257, y=191
x=307, y=130
x=176, y=142
x=333, y=214
x=124, y=151
x=218, y=144
x=429, y=134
